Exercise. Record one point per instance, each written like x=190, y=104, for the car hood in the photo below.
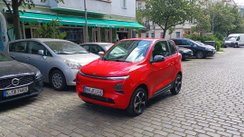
x=209, y=46
x=81, y=59
x=109, y=68
x=14, y=67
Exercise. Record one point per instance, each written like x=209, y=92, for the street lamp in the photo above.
x=86, y=26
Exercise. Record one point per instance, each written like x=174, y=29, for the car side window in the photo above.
x=177, y=42
x=18, y=47
x=238, y=38
x=161, y=48
x=33, y=48
x=86, y=47
x=99, y=48
x=172, y=47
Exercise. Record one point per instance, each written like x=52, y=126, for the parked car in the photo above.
x=58, y=60
x=98, y=48
x=130, y=73
x=18, y=80
x=234, y=40
x=199, y=50
x=186, y=53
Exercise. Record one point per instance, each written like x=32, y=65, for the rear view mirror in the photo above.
x=41, y=52
x=158, y=58
x=100, y=53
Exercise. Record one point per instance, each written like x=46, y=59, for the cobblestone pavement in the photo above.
x=211, y=103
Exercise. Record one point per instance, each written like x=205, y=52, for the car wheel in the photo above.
x=57, y=80
x=138, y=102
x=200, y=55
x=177, y=85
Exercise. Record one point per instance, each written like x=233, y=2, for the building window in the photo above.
x=106, y=0
x=147, y=35
x=124, y=5
x=177, y=34
x=153, y=35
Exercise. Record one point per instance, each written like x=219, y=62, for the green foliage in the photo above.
x=197, y=37
x=139, y=16
x=219, y=18
x=169, y=13
x=51, y=30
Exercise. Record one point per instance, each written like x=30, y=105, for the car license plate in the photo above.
x=93, y=91
x=14, y=92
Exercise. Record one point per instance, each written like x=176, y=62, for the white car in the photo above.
x=58, y=60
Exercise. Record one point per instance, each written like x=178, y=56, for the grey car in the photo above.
x=18, y=80
x=58, y=60
x=98, y=48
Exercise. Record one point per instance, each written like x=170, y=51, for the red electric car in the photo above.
x=130, y=73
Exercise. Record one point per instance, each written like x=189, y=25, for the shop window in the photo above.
x=108, y=35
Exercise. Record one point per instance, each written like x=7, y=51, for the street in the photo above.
x=211, y=103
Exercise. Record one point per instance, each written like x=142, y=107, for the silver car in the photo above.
x=58, y=60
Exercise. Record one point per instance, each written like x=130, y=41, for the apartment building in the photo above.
x=107, y=20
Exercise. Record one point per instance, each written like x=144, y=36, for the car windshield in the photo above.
x=65, y=47
x=128, y=51
x=231, y=38
x=200, y=43
x=4, y=57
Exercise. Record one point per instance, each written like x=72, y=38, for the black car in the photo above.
x=18, y=80
x=199, y=50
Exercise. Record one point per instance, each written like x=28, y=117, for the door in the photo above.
x=160, y=71
x=39, y=61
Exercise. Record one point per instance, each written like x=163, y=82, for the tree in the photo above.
x=169, y=13
x=15, y=12
x=50, y=30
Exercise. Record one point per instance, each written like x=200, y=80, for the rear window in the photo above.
x=18, y=47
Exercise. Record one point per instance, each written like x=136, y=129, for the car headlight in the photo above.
x=72, y=65
x=38, y=74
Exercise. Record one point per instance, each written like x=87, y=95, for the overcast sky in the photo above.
x=239, y=2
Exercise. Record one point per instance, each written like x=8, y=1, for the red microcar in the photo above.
x=130, y=73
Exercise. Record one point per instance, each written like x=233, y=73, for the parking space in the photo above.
x=211, y=103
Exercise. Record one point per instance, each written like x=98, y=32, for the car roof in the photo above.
x=39, y=39
x=98, y=43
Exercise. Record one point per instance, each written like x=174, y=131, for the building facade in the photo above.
x=107, y=20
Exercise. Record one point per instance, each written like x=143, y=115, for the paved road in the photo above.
x=211, y=103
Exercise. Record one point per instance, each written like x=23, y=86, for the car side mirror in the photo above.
x=100, y=53
x=41, y=52
x=158, y=58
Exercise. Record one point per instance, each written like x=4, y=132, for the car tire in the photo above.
x=138, y=102
x=200, y=55
x=57, y=80
x=176, y=85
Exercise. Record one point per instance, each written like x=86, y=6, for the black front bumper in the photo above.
x=34, y=89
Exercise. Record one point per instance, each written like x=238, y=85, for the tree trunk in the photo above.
x=15, y=17
x=164, y=33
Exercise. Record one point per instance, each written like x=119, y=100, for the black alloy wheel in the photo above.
x=177, y=85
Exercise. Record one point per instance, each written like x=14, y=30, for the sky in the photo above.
x=239, y=2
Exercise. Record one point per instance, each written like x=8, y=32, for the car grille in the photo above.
x=6, y=82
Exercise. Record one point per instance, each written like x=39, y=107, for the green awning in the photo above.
x=77, y=21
